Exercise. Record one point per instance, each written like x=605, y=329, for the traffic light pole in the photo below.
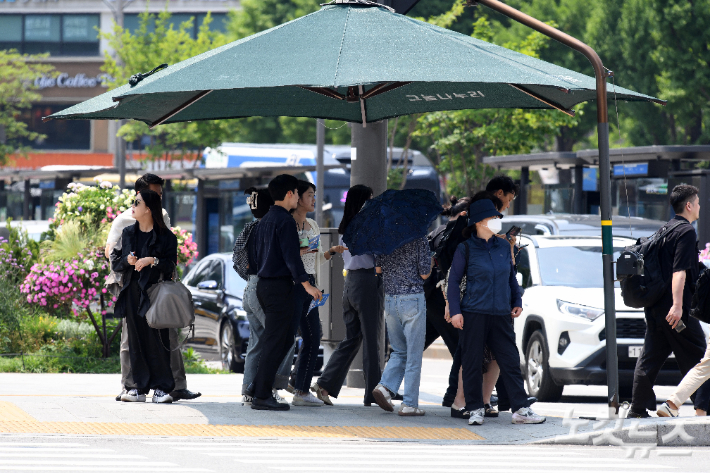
x=600, y=73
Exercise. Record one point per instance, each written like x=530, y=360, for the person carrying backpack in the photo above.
x=678, y=259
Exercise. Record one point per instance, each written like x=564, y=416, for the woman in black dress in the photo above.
x=148, y=250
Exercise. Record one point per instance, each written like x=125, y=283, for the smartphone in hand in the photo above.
x=511, y=234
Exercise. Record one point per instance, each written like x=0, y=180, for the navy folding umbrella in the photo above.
x=391, y=220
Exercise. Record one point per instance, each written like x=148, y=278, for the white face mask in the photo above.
x=495, y=225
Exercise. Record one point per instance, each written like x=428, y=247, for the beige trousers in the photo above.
x=692, y=380
x=176, y=363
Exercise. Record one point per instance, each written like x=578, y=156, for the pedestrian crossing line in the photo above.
x=205, y=430
x=92, y=468
x=10, y=411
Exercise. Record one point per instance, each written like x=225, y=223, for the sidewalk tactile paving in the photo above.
x=11, y=412
x=201, y=430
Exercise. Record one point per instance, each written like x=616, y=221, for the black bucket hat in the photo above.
x=482, y=209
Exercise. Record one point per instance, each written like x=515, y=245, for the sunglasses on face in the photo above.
x=136, y=203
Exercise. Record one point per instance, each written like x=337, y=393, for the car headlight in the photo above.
x=241, y=314
x=589, y=313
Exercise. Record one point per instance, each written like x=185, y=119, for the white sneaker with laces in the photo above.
x=275, y=394
x=405, y=410
x=132, y=396
x=246, y=400
x=525, y=415
x=476, y=416
x=162, y=397
x=666, y=411
x=306, y=399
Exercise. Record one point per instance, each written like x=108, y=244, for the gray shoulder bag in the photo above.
x=170, y=305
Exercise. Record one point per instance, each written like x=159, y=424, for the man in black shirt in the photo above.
x=679, y=264
x=279, y=266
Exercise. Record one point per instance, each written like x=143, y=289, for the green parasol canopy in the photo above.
x=353, y=62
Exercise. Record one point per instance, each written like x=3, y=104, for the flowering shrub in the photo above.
x=187, y=249
x=705, y=254
x=91, y=206
x=58, y=285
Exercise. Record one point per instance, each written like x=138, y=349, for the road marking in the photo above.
x=36, y=444
x=85, y=468
x=47, y=449
x=39, y=454
x=384, y=462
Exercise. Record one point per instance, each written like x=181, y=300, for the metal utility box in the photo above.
x=331, y=280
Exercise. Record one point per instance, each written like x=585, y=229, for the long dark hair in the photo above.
x=152, y=201
x=457, y=206
x=357, y=196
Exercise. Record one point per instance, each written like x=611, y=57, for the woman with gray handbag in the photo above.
x=148, y=254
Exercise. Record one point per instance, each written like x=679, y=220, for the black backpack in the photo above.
x=700, y=308
x=644, y=290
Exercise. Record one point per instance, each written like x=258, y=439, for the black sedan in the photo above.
x=221, y=326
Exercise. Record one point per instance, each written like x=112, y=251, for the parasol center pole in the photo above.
x=612, y=366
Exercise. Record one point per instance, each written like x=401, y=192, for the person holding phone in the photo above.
x=483, y=314
x=148, y=251
x=308, y=321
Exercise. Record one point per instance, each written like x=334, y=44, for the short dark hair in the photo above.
x=487, y=195
x=144, y=182
x=681, y=195
x=152, y=201
x=281, y=185
x=504, y=183
x=303, y=187
x=260, y=201
x=457, y=206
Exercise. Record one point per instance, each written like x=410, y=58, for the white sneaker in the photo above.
x=132, y=396
x=275, y=394
x=321, y=395
x=666, y=411
x=306, y=399
x=162, y=397
x=405, y=410
x=476, y=416
x=246, y=400
x=525, y=415
x=383, y=398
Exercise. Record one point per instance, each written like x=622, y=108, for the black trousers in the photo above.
x=497, y=333
x=276, y=299
x=660, y=340
x=437, y=326
x=363, y=313
x=149, y=349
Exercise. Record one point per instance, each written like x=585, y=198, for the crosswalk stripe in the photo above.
x=39, y=454
x=37, y=444
x=384, y=463
x=86, y=468
x=29, y=449
x=142, y=464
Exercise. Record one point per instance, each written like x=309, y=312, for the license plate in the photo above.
x=635, y=352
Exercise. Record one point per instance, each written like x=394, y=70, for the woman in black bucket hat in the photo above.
x=492, y=296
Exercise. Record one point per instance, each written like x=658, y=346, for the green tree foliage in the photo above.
x=144, y=49
x=462, y=138
x=17, y=92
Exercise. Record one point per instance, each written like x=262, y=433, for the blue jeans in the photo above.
x=256, y=317
x=406, y=327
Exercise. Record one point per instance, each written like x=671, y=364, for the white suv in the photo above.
x=560, y=334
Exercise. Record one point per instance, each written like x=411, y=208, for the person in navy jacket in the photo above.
x=492, y=296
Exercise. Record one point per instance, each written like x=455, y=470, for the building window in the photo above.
x=58, y=35
x=60, y=134
x=132, y=21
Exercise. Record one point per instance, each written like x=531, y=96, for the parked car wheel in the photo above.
x=537, y=371
x=228, y=349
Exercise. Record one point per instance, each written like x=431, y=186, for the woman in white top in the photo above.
x=308, y=321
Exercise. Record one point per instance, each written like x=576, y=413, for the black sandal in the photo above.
x=460, y=413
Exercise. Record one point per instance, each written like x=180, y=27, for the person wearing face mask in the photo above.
x=483, y=314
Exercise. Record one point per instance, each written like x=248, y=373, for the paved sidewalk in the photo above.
x=84, y=404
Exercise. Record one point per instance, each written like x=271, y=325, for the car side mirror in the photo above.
x=208, y=286
x=519, y=278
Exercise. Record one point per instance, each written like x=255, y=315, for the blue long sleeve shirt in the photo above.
x=488, y=259
x=276, y=247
